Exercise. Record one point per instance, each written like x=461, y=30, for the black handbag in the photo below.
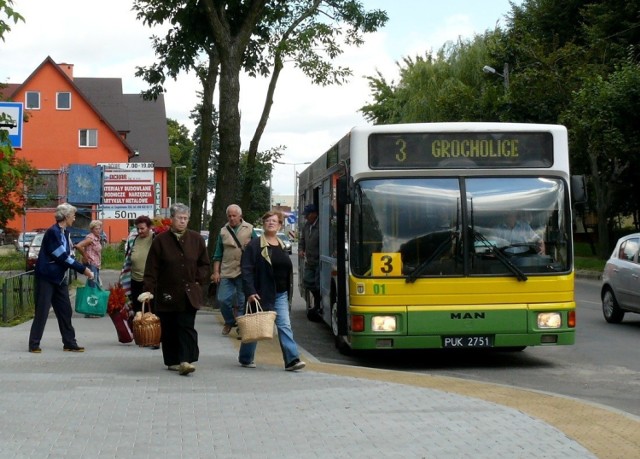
x=212, y=290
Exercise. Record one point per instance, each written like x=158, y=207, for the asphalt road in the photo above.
x=602, y=367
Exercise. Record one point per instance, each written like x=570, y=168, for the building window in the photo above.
x=63, y=101
x=32, y=100
x=88, y=137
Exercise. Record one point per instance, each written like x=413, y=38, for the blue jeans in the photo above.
x=285, y=334
x=230, y=294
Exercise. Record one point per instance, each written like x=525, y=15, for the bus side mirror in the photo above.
x=578, y=189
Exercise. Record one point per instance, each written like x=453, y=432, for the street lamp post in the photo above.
x=504, y=75
x=295, y=182
x=175, y=182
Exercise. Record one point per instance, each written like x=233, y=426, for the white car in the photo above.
x=24, y=238
x=620, y=291
x=33, y=251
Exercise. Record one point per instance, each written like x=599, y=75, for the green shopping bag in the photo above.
x=92, y=300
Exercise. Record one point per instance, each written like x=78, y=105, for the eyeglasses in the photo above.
x=275, y=222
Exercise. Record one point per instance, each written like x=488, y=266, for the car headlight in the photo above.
x=549, y=320
x=383, y=323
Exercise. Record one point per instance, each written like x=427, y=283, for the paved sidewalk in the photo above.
x=119, y=401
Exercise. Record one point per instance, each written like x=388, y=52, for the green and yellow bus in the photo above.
x=445, y=235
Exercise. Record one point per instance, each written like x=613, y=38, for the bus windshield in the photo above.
x=461, y=226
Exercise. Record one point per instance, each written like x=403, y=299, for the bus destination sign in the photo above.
x=460, y=150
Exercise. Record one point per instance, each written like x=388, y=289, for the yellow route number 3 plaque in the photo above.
x=386, y=264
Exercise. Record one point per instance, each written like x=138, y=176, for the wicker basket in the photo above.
x=146, y=328
x=256, y=326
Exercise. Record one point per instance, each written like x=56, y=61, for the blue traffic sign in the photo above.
x=12, y=121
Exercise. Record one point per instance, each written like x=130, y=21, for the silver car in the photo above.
x=621, y=280
x=287, y=242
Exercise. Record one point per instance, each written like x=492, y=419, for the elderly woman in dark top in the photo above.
x=51, y=279
x=266, y=275
x=177, y=266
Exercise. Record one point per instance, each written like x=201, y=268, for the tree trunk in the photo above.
x=229, y=130
x=204, y=151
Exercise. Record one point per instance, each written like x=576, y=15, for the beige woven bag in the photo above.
x=146, y=327
x=256, y=326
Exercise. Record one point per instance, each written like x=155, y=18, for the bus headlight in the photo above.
x=549, y=320
x=383, y=323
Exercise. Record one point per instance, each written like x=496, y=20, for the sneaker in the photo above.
x=35, y=350
x=173, y=368
x=74, y=348
x=185, y=368
x=248, y=365
x=226, y=329
x=295, y=365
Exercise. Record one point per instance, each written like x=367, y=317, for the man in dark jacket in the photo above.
x=177, y=267
x=309, y=249
x=51, y=283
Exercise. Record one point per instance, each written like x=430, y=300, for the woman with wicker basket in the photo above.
x=267, y=277
x=177, y=266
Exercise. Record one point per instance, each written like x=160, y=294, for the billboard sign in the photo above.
x=128, y=191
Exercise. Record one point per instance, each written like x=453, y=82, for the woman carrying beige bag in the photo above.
x=266, y=276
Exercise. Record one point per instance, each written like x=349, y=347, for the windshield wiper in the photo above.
x=499, y=255
x=435, y=255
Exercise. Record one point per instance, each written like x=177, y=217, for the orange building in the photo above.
x=70, y=122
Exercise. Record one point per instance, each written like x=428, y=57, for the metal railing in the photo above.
x=18, y=298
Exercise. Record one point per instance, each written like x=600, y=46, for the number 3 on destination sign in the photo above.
x=402, y=150
x=386, y=264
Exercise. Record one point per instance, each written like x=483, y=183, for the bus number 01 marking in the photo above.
x=379, y=289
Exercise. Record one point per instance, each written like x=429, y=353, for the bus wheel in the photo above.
x=339, y=341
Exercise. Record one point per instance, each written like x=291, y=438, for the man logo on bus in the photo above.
x=468, y=315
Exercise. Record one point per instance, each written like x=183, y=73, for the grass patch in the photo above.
x=12, y=261
x=112, y=256
x=589, y=263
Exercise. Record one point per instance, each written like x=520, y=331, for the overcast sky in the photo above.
x=103, y=39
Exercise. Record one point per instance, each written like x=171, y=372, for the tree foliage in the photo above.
x=16, y=175
x=573, y=62
x=7, y=16
x=256, y=37
x=181, y=149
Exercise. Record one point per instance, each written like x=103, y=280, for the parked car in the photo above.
x=287, y=242
x=8, y=236
x=24, y=238
x=205, y=235
x=621, y=280
x=258, y=231
x=33, y=250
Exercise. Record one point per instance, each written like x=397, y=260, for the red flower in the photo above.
x=161, y=225
x=117, y=299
